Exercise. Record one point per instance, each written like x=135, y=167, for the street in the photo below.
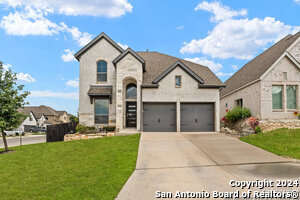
x=15, y=141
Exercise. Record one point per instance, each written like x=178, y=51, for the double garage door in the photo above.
x=194, y=117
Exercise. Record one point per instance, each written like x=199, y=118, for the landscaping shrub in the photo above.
x=254, y=122
x=258, y=129
x=109, y=128
x=238, y=113
x=83, y=129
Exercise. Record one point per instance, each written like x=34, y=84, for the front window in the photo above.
x=177, y=81
x=101, y=71
x=239, y=102
x=291, y=97
x=101, y=111
x=131, y=91
x=277, y=97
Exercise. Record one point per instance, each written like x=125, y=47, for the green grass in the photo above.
x=283, y=142
x=85, y=169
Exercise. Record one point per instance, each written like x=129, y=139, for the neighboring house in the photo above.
x=29, y=122
x=147, y=91
x=269, y=84
x=63, y=116
x=42, y=116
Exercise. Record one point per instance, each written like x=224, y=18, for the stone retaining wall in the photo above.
x=78, y=136
x=272, y=125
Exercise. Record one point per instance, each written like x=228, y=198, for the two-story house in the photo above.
x=147, y=91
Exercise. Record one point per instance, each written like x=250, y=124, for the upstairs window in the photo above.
x=102, y=71
x=291, y=99
x=277, y=97
x=131, y=91
x=177, y=81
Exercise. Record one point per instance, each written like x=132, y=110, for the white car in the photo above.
x=14, y=132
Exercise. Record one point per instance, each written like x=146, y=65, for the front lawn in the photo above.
x=85, y=169
x=283, y=142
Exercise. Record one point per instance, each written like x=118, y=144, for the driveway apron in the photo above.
x=170, y=162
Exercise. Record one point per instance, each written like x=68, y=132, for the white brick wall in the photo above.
x=102, y=50
x=128, y=69
x=251, y=96
x=189, y=92
x=275, y=77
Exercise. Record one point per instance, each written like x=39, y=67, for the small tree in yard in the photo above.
x=11, y=99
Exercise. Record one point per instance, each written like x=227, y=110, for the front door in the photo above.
x=131, y=114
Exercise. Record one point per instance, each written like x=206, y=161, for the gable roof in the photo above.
x=38, y=111
x=157, y=63
x=254, y=69
x=178, y=63
x=94, y=41
x=129, y=50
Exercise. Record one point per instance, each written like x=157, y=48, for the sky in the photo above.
x=39, y=37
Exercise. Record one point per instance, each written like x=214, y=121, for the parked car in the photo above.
x=14, y=132
x=38, y=130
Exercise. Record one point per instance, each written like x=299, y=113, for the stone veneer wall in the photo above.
x=269, y=125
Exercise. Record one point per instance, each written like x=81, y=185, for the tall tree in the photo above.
x=12, y=97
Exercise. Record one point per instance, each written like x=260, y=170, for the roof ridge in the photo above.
x=181, y=59
x=261, y=54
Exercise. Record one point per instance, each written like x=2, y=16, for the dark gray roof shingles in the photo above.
x=157, y=63
x=254, y=69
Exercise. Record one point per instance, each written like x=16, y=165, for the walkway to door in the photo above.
x=170, y=162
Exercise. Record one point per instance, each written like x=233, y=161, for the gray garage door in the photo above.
x=159, y=117
x=197, y=117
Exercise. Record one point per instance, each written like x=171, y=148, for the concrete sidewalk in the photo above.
x=31, y=139
x=171, y=162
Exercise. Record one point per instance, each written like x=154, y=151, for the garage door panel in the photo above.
x=197, y=117
x=159, y=117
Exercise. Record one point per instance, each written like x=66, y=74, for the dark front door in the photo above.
x=131, y=114
x=197, y=117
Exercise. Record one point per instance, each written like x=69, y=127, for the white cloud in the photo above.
x=25, y=77
x=215, y=67
x=239, y=38
x=28, y=22
x=223, y=74
x=48, y=93
x=21, y=77
x=180, y=27
x=297, y=1
x=32, y=21
x=73, y=83
x=81, y=38
x=6, y=66
x=234, y=67
x=124, y=46
x=111, y=8
x=68, y=56
x=220, y=11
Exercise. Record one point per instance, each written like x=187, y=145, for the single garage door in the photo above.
x=159, y=117
x=197, y=117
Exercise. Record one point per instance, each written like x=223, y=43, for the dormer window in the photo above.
x=177, y=81
x=101, y=71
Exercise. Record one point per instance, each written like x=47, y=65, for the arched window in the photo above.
x=101, y=71
x=131, y=91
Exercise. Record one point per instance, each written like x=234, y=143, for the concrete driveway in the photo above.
x=170, y=162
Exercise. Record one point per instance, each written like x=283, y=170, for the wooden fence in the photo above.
x=57, y=132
